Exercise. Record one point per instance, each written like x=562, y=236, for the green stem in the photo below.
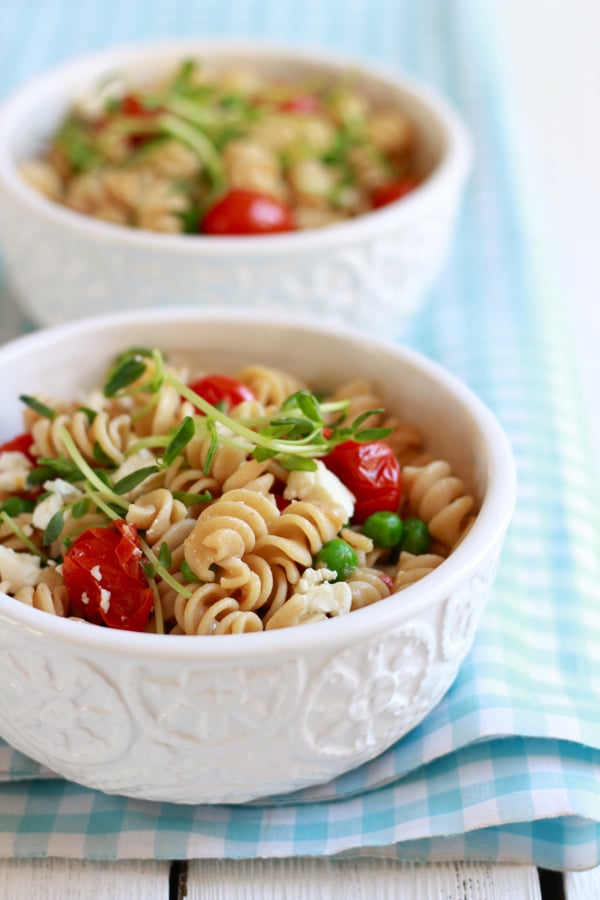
x=301, y=447
x=18, y=532
x=87, y=470
x=166, y=576
x=199, y=143
x=158, y=616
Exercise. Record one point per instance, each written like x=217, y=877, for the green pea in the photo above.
x=338, y=556
x=416, y=538
x=384, y=528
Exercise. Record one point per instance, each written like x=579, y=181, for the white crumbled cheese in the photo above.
x=96, y=573
x=14, y=469
x=104, y=599
x=321, y=486
x=63, y=488
x=331, y=599
x=59, y=493
x=18, y=569
x=45, y=509
x=312, y=577
x=84, y=598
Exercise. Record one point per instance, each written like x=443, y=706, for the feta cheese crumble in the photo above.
x=321, y=486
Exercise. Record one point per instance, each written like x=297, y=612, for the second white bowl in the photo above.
x=373, y=271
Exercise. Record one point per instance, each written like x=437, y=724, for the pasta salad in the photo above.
x=228, y=153
x=186, y=502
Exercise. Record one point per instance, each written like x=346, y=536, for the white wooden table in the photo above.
x=550, y=50
x=299, y=879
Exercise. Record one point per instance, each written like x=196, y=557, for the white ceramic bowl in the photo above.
x=372, y=271
x=234, y=717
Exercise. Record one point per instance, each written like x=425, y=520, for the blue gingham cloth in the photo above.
x=507, y=767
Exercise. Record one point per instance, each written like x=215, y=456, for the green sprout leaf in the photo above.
x=364, y=416
x=371, y=434
x=90, y=413
x=14, y=506
x=191, y=499
x=187, y=572
x=183, y=435
x=123, y=375
x=298, y=463
x=37, y=406
x=131, y=481
x=307, y=403
x=53, y=528
x=164, y=555
x=80, y=508
x=100, y=456
x=214, y=446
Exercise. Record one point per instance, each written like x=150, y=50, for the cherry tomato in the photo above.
x=392, y=191
x=301, y=103
x=371, y=471
x=247, y=212
x=20, y=444
x=223, y=389
x=133, y=108
x=105, y=579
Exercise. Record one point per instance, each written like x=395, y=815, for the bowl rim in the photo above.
x=486, y=533
x=451, y=170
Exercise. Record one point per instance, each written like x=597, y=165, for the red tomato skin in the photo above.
x=388, y=581
x=116, y=552
x=392, y=191
x=19, y=444
x=242, y=212
x=305, y=104
x=373, y=474
x=133, y=108
x=222, y=389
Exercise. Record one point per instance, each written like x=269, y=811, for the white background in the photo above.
x=551, y=54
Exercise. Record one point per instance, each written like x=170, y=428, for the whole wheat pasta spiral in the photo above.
x=301, y=530
x=270, y=386
x=181, y=477
x=367, y=586
x=226, y=461
x=111, y=434
x=411, y=568
x=52, y=599
x=226, y=531
x=155, y=513
x=362, y=396
x=438, y=497
x=210, y=610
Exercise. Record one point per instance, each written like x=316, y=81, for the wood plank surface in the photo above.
x=360, y=879
x=582, y=885
x=69, y=879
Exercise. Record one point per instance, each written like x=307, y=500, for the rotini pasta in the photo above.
x=214, y=504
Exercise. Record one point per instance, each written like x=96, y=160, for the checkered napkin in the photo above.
x=507, y=767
